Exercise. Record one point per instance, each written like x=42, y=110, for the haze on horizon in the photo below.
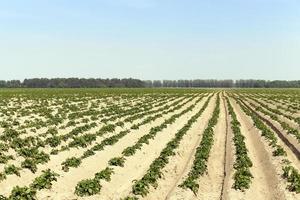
x=150, y=39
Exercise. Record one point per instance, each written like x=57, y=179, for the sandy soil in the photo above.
x=97, y=163
x=277, y=165
x=215, y=184
x=265, y=184
x=291, y=139
x=55, y=164
x=180, y=163
x=276, y=103
x=137, y=165
x=229, y=159
x=211, y=183
x=282, y=118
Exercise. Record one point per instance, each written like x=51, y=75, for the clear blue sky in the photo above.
x=150, y=39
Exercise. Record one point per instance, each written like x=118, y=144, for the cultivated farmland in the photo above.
x=149, y=144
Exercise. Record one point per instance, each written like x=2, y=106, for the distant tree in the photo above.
x=157, y=83
x=136, y=83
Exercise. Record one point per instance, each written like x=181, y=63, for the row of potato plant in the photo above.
x=286, y=106
x=242, y=176
x=199, y=165
x=73, y=162
x=79, y=141
x=263, y=108
x=44, y=181
x=142, y=186
x=290, y=173
x=113, y=139
x=93, y=186
x=266, y=132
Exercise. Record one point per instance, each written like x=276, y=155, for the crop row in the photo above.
x=83, y=188
x=33, y=156
x=44, y=181
x=199, y=165
x=287, y=104
x=115, y=138
x=242, y=164
x=141, y=187
x=265, y=109
x=290, y=173
x=75, y=162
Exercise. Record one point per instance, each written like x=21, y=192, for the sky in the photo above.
x=150, y=39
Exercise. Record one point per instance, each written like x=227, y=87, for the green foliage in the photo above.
x=22, y=193
x=52, y=131
x=87, y=187
x=29, y=164
x=2, y=197
x=129, y=151
x=104, y=174
x=70, y=162
x=45, y=180
x=82, y=141
x=53, y=141
x=4, y=159
x=12, y=169
x=141, y=187
x=118, y=161
x=3, y=147
x=88, y=153
x=242, y=175
x=242, y=178
x=9, y=134
x=279, y=152
x=2, y=176
x=202, y=152
x=130, y=198
x=39, y=157
x=293, y=177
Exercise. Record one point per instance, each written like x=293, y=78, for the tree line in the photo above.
x=213, y=83
x=137, y=83
x=73, y=83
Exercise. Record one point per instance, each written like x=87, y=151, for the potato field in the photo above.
x=155, y=144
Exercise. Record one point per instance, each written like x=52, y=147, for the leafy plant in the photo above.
x=70, y=162
x=3, y=147
x=242, y=175
x=45, y=180
x=53, y=141
x=2, y=197
x=118, y=161
x=22, y=193
x=12, y=169
x=104, y=174
x=242, y=179
x=130, y=198
x=293, y=177
x=141, y=187
x=2, y=176
x=82, y=141
x=88, y=153
x=4, y=159
x=29, y=164
x=87, y=187
x=202, y=152
x=279, y=152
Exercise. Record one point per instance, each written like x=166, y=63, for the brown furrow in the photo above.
x=225, y=169
x=278, y=132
